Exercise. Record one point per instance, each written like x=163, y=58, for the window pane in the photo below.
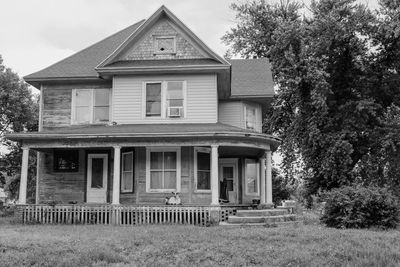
x=156, y=179
x=203, y=180
x=153, y=99
x=170, y=160
x=82, y=115
x=170, y=180
x=175, y=103
x=175, y=90
x=251, y=176
x=101, y=97
x=101, y=114
x=83, y=98
x=165, y=45
x=227, y=172
x=156, y=160
x=127, y=181
x=203, y=161
x=250, y=117
x=97, y=173
x=66, y=160
x=127, y=162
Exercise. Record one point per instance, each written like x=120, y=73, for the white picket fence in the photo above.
x=117, y=215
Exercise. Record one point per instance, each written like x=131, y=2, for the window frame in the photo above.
x=157, y=37
x=91, y=106
x=246, y=190
x=122, y=172
x=201, y=150
x=246, y=107
x=178, y=169
x=56, y=154
x=164, y=100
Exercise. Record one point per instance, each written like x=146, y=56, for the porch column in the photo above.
x=214, y=176
x=262, y=178
x=116, y=176
x=268, y=177
x=24, y=176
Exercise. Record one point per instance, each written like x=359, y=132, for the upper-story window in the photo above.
x=164, y=44
x=90, y=106
x=250, y=117
x=165, y=99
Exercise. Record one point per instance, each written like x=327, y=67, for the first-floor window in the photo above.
x=252, y=177
x=163, y=170
x=202, y=168
x=66, y=160
x=90, y=106
x=127, y=172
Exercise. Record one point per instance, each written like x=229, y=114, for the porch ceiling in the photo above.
x=145, y=134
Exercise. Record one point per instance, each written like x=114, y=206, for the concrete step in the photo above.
x=260, y=213
x=287, y=223
x=262, y=219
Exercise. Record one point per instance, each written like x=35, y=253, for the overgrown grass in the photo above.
x=302, y=245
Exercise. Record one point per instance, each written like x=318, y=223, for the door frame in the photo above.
x=105, y=157
x=230, y=162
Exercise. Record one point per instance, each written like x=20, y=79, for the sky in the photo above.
x=37, y=33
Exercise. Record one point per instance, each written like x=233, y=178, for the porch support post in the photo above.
x=268, y=177
x=24, y=176
x=116, y=176
x=214, y=176
x=262, y=178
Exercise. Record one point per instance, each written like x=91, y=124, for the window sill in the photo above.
x=163, y=191
x=202, y=191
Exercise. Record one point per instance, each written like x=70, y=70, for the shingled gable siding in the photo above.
x=56, y=110
x=233, y=113
x=201, y=102
x=144, y=49
x=187, y=182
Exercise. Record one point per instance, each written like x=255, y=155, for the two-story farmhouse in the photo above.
x=148, y=111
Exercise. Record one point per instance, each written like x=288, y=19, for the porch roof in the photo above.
x=190, y=130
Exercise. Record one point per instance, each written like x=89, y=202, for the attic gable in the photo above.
x=162, y=30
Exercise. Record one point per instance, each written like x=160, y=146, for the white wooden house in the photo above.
x=148, y=111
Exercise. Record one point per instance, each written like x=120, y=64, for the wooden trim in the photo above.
x=202, y=150
x=178, y=168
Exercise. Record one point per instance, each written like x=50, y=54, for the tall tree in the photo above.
x=337, y=77
x=18, y=112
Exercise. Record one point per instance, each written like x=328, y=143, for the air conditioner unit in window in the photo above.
x=175, y=112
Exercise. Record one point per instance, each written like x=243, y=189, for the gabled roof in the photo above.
x=83, y=63
x=251, y=78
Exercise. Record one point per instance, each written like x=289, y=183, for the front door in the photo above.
x=97, y=170
x=228, y=180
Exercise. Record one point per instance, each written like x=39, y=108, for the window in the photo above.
x=252, y=177
x=250, y=118
x=127, y=172
x=153, y=99
x=66, y=160
x=163, y=169
x=202, y=169
x=165, y=99
x=90, y=106
x=164, y=45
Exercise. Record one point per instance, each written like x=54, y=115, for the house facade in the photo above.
x=148, y=111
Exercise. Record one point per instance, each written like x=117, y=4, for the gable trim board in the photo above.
x=135, y=36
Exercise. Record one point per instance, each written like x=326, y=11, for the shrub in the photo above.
x=361, y=207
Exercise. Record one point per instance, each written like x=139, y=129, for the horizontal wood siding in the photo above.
x=231, y=113
x=56, y=108
x=201, y=100
x=61, y=187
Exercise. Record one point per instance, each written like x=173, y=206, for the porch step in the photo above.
x=261, y=213
x=295, y=222
x=262, y=219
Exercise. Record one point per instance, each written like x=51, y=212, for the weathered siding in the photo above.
x=201, y=102
x=144, y=48
x=233, y=113
x=56, y=107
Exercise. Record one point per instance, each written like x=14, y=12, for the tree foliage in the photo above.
x=338, y=98
x=18, y=112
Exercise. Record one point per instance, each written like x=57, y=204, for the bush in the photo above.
x=361, y=207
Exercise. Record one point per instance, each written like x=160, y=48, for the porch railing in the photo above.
x=117, y=215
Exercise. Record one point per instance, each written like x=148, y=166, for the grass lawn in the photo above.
x=301, y=245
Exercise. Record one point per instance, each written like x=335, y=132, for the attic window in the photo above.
x=164, y=45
